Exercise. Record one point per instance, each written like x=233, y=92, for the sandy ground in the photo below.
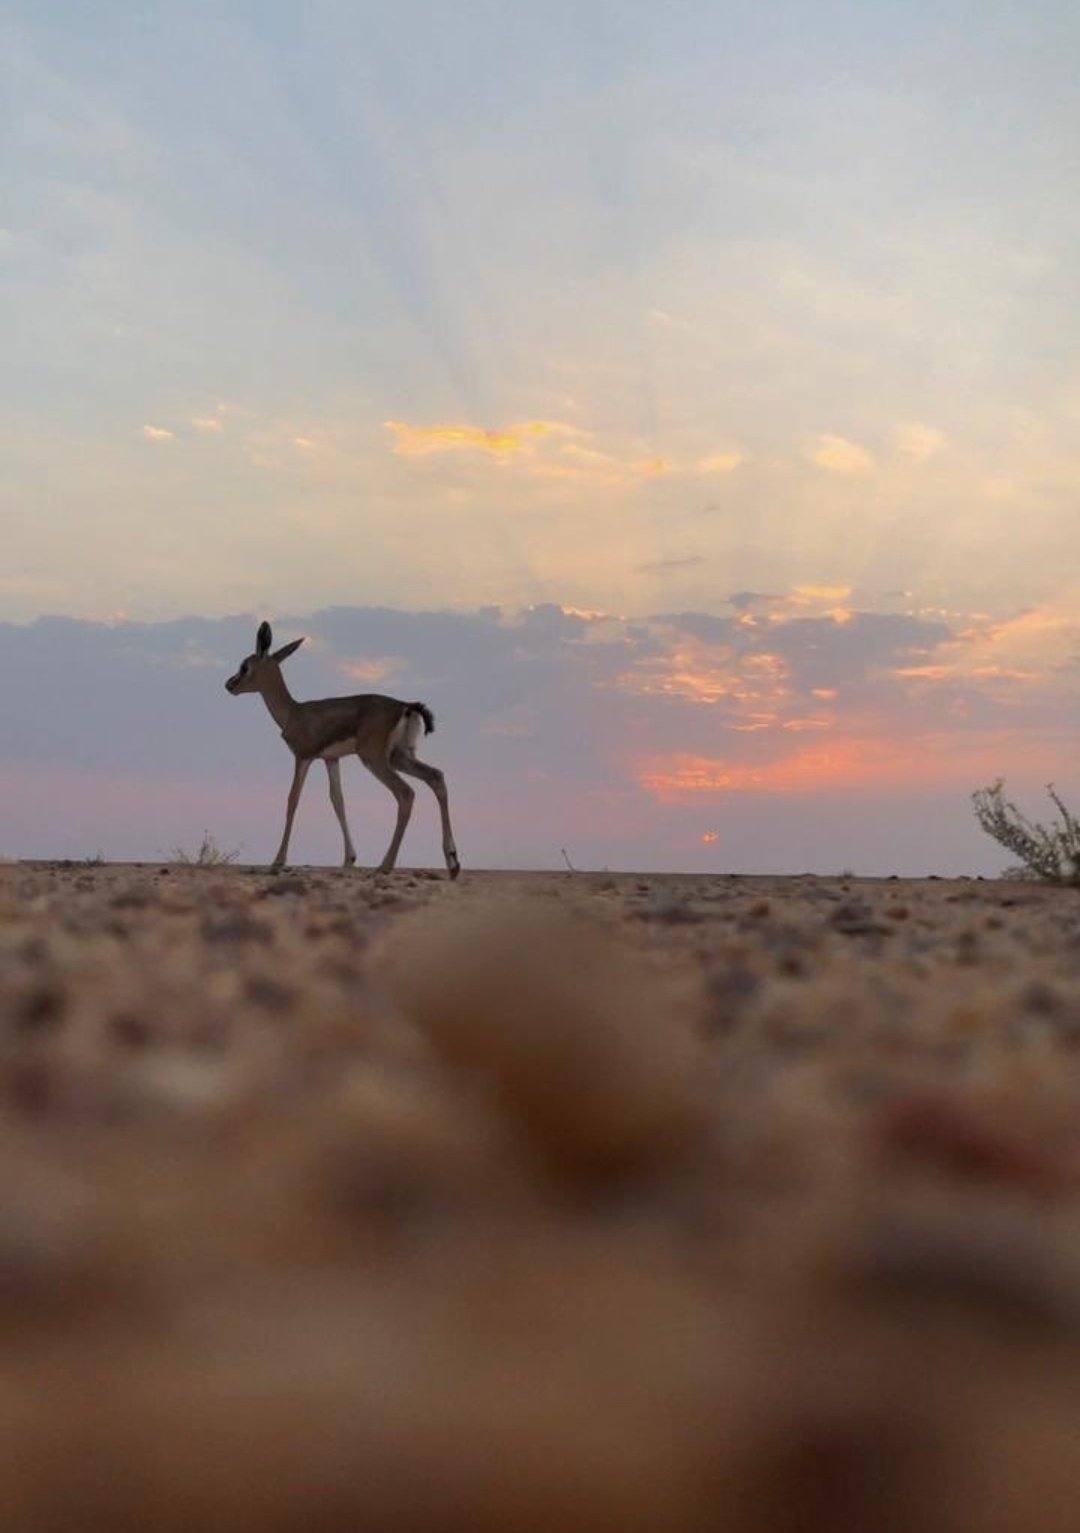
x=535, y=1202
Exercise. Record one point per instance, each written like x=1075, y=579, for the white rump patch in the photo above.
x=405, y=733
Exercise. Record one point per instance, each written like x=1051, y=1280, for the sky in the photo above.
x=682, y=400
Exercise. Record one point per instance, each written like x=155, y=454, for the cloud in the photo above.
x=761, y=681
x=800, y=600
x=372, y=670
x=1003, y=658
x=158, y=434
x=551, y=449
x=836, y=455
x=667, y=566
x=418, y=441
x=208, y=424
x=817, y=595
x=577, y=462
x=720, y=463
x=750, y=601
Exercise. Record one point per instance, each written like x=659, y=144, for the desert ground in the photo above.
x=537, y=1202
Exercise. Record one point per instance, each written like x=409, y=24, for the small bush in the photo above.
x=1048, y=852
x=209, y=855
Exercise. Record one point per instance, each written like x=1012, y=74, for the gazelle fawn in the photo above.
x=382, y=731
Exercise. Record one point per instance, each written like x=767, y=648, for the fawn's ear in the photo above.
x=263, y=639
x=287, y=649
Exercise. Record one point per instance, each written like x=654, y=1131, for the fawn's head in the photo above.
x=253, y=669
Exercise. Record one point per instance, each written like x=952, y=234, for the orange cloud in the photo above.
x=752, y=686
x=158, y=434
x=549, y=450
x=370, y=670
x=810, y=601
x=810, y=594
x=590, y=614
x=418, y=441
x=1033, y=647
x=573, y=460
x=720, y=463
x=836, y=455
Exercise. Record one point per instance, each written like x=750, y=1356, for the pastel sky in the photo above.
x=683, y=399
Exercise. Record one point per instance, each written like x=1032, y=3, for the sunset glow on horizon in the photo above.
x=844, y=765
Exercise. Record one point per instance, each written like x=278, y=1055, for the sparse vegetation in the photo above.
x=209, y=854
x=1047, y=852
